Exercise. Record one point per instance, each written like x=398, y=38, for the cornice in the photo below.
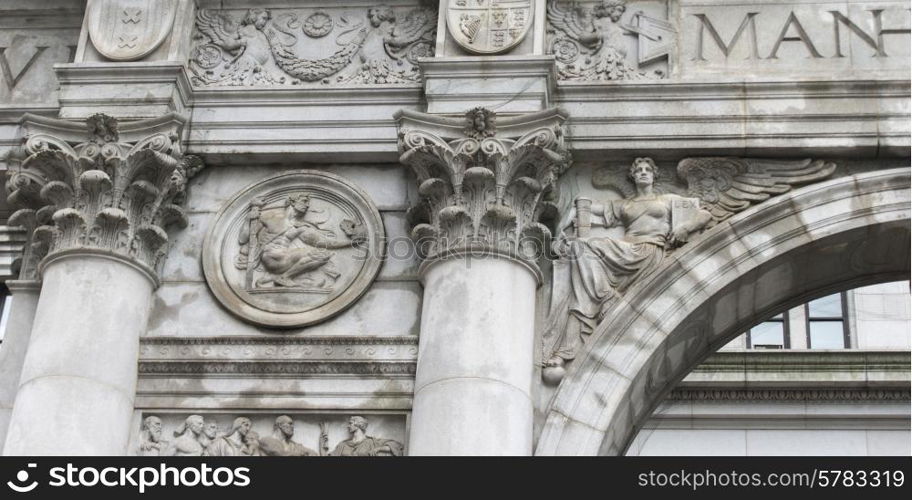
x=821, y=395
x=802, y=370
x=279, y=356
x=277, y=368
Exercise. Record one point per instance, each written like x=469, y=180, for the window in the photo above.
x=826, y=325
x=771, y=334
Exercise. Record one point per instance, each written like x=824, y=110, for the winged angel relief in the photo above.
x=589, y=43
x=595, y=269
x=261, y=48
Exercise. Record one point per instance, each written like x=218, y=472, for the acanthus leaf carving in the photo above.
x=482, y=187
x=96, y=191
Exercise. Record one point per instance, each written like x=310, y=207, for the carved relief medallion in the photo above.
x=294, y=249
x=489, y=26
x=127, y=30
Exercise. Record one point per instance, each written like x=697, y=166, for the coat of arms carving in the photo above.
x=294, y=249
x=489, y=26
x=127, y=30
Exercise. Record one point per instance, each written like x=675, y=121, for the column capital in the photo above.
x=99, y=186
x=485, y=183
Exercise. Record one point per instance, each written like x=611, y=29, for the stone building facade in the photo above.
x=264, y=227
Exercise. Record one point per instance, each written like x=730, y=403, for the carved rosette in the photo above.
x=483, y=189
x=90, y=187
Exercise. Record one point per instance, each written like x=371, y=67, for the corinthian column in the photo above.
x=484, y=189
x=101, y=199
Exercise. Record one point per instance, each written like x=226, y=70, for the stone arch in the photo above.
x=847, y=232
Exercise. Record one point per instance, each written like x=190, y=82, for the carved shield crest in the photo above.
x=489, y=26
x=127, y=30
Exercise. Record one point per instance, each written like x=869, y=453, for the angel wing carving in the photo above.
x=575, y=22
x=418, y=23
x=221, y=30
x=727, y=186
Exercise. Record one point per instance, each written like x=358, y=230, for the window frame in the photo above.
x=844, y=318
x=786, y=340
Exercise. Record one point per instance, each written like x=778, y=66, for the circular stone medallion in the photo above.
x=294, y=249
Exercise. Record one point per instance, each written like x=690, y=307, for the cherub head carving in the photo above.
x=480, y=123
x=610, y=8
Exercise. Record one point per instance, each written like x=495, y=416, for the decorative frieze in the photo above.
x=486, y=183
x=822, y=395
x=323, y=46
x=99, y=188
x=279, y=356
x=256, y=434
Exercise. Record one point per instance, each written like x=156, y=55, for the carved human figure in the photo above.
x=232, y=444
x=151, y=443
x=251, y=444
x=280, y=443
x=210, y=433
x=291, y=248
x=189, y=437
x=362, y=445
x=603, y=268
